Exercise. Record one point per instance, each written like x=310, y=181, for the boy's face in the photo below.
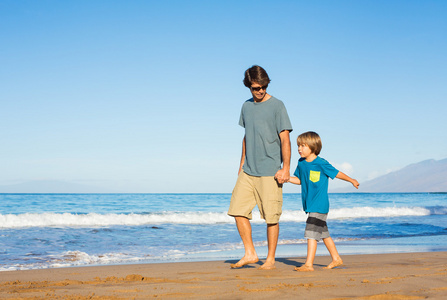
x=258, y=91
x=304, y=151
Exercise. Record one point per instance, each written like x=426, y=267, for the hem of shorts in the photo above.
x=320, y=239
x=271, y=223
x=237, y=215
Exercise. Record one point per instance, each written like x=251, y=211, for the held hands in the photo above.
x=282, y=176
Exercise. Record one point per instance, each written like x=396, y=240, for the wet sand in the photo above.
x=378, y=276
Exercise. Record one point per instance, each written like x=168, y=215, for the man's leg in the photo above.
x=269, y=200
x=241, y=205
x=244, y=228
x=272, y=240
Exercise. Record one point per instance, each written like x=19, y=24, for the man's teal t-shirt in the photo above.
x=263, y=122
x=314, y=184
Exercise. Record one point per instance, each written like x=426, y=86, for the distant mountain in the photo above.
x=50, y=186
x=426, y=176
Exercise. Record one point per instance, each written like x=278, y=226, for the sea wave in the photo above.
x=82, y=258
x=195, y=218
x=75, y=258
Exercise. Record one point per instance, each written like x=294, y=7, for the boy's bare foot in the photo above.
x=334, y=264
x=243, y=262
x=267, y=266
x=304, y=268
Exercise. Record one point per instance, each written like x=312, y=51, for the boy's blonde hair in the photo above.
x=312, y=140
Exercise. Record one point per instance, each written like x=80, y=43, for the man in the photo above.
x=265, y=145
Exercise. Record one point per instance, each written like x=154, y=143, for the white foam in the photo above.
x=195, y=218
x=81, y=258
x=98, y=220
x=76, y=258
x=369, y=212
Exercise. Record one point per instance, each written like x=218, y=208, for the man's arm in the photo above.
x=283, y=175
x=345, y=177
x=242, y=157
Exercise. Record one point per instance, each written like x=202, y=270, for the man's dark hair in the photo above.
x=256, y=74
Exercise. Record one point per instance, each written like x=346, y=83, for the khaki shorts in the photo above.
x=263, y=191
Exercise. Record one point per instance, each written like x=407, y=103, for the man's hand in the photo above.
x=282, y=176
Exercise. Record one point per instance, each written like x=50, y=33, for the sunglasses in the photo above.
x=257, y=89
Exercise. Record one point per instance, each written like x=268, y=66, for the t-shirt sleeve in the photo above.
x=297, y=172
x=241, y=118
x=282, y=119
x=328, y=169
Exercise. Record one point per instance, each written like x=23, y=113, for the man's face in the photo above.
x=258, y=91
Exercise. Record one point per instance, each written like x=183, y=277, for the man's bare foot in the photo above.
x=334, y=264
x=304, y=268
x=243, y=262
x=267, y=266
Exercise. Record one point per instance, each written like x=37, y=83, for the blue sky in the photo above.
x=145, y=96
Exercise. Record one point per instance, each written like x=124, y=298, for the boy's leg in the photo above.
x=336, y=259
x=244, y=228
x=311, y=252
x=272, y=240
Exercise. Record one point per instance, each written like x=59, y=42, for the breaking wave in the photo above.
x=195, y=218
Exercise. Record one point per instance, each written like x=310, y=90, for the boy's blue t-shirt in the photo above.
x=314, y=184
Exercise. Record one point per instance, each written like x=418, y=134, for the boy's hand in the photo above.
x=355, y=183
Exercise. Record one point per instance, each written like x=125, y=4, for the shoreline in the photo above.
x=367, y=276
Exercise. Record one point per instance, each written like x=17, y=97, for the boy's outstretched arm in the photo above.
x=295, y=180
x=345, y=177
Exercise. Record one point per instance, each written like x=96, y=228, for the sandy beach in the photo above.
x=376, y=276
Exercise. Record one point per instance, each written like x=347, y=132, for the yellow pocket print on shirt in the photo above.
x=314, y=176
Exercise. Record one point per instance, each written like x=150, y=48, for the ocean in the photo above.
x=63, y=230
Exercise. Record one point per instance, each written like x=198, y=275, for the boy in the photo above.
x=312, y=174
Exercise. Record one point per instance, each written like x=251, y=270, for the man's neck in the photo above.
x=266, y=97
